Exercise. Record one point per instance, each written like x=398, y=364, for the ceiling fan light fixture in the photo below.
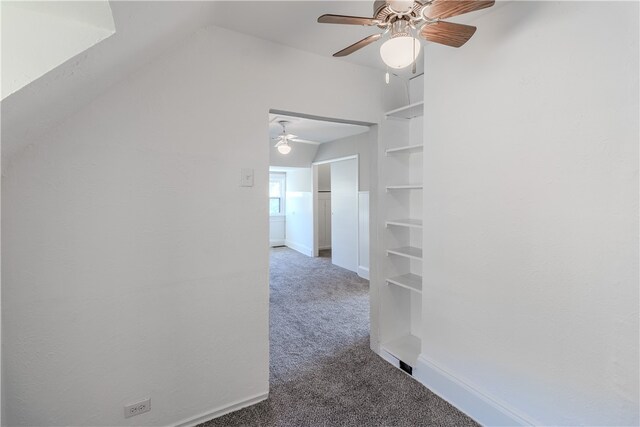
x=400, y=6
x=284, y=148
x=400, y=52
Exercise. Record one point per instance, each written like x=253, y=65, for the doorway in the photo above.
x=336, y=216
x=325, y=167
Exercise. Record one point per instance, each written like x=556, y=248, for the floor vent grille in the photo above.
x=408, y=369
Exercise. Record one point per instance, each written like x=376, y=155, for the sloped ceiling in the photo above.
x=144, y=29
x=294, y=24
x=318, y=131
x=39, y=36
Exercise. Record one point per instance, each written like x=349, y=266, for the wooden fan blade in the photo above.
x=447, y=33
x=348, y=20
x=358, y=45
x=447, y=8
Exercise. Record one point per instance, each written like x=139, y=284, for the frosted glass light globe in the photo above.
x=398, y=52
x=284, y=148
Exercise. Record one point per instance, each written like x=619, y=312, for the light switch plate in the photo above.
x=246, y=178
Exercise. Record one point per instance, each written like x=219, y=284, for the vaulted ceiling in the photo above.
x=146, y=29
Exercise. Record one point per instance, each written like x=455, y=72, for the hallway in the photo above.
x=322, y=371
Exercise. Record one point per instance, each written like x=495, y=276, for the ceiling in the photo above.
x=318, y=131
x=294, y=24
x=39, y=36
x=145, y=29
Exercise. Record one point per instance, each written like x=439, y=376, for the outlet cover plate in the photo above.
x=137, y=408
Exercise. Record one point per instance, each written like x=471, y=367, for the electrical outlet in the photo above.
x=137, y=408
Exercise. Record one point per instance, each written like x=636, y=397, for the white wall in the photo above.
x=324, y=177
x=299, y=211
x=358, y=144
x=531, y=211
x=134, y=265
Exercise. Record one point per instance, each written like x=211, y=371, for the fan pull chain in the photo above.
x=413, y=66
x=386, y=76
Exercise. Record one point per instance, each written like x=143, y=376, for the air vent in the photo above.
x=408, y=369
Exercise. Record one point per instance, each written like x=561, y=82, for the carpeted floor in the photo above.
x=323, y=372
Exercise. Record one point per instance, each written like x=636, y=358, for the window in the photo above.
x=276, y=193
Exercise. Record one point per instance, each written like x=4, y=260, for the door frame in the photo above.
x=282, y=217
x=315, y=203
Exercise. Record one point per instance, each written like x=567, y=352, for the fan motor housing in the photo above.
x=382, y=11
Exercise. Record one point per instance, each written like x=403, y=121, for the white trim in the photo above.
x=339, y=159
x=305, y=250
x=278, y=242
x=484, y=409
x=363, y=271
x=388, y=357
x=239, y=404
x=315, y=204
x=322, y=248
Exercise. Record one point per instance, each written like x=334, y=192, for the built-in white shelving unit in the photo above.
x=407, y=252
x=400, y=272
x=409, y=149
x=408, y=222
x=410, y=111
x=404, y=187
x=405, y=348
x=409, y=281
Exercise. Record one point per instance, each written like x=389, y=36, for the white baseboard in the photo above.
x=363, y=272
x=322, y=248
x=305, y=250
x=482, y=408
x=198, y=419
x=273, y=243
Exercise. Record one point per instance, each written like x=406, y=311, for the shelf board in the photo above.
x=408, y=222
x=407, y=112
x=404, y=187
x=407, y=252
x=409, y=149
x=410, y=281
x=405, y=348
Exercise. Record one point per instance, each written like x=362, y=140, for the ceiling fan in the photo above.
x=285, y=138
x=402, y=18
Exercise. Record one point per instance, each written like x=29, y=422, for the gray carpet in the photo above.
x=323, y=372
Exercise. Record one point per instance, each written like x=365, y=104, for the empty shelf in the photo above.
x=407, y=112
x=414, y=223
x=410, y=281
x=409, y=149
x=407, y=251
x=405, y=187
x=405, y=348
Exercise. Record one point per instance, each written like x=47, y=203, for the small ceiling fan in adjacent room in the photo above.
x=285, y=138
x=407, y=22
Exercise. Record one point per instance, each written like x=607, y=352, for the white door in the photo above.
x=324, y=220
x=344, y=214
x=276, y=209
